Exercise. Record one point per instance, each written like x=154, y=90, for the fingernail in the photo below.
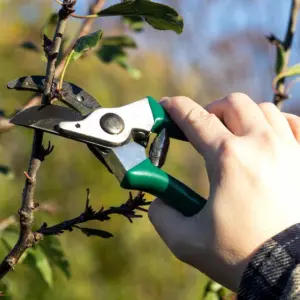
x=164, y=100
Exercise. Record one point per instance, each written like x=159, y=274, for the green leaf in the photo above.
x=133, y=72
x=5, y=291
x=38, y=260
x=159, y=16
x=135, y=23
x=9, y=238
x=124, y=41
x=111, y=53
x=116, y=54
x=95, y=232
x=292, y=71
x=53, y=249
x=28, y=45
x=84, y=44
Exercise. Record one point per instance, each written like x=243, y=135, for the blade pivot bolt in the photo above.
x=112, y=123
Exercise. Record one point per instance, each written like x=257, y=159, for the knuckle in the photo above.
x=196, y=115
x=228, y=148
x=267, y=137
x=235, y=98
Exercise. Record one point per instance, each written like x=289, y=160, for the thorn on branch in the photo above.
x=67, y=8
x=29, y=178
x=45, y=225
x=89, y=211
x=128, y=210
x=274, y=40
x=282, y=96
x=87, y=205
x=46, y=151
x=47, y=46
x=36, y=205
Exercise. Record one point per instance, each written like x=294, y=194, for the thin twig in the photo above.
x=280, y=96
x=27, y=238
x=127, y=210
x=85, y=17
x=50, y=73
x=84, y=29
x=87, y=25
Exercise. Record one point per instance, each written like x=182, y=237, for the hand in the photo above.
x=253, y=162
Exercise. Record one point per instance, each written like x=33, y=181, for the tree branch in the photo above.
x=27, y=238
x=280, y=96
x=127, y=210
x=84, y=29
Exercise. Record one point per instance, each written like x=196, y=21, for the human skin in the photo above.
x=252, y=156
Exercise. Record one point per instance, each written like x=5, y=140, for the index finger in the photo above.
x=204, y=130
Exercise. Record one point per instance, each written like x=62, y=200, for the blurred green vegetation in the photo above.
x=135, y=264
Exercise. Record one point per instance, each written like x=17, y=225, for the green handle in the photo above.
x=163, y=121
x=148, y=178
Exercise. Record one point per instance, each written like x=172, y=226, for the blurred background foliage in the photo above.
x=222, y=50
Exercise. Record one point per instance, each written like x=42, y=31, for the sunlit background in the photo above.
x=223, y=49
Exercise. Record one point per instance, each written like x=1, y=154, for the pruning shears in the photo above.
x=116, y=136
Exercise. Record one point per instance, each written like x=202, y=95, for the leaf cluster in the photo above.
x=112, y=49
x=41, y=258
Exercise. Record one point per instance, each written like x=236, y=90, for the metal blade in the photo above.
x=73, y=96
x=45, y=118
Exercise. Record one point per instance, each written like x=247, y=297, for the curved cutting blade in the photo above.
x=73, y=96
x=45, y=118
